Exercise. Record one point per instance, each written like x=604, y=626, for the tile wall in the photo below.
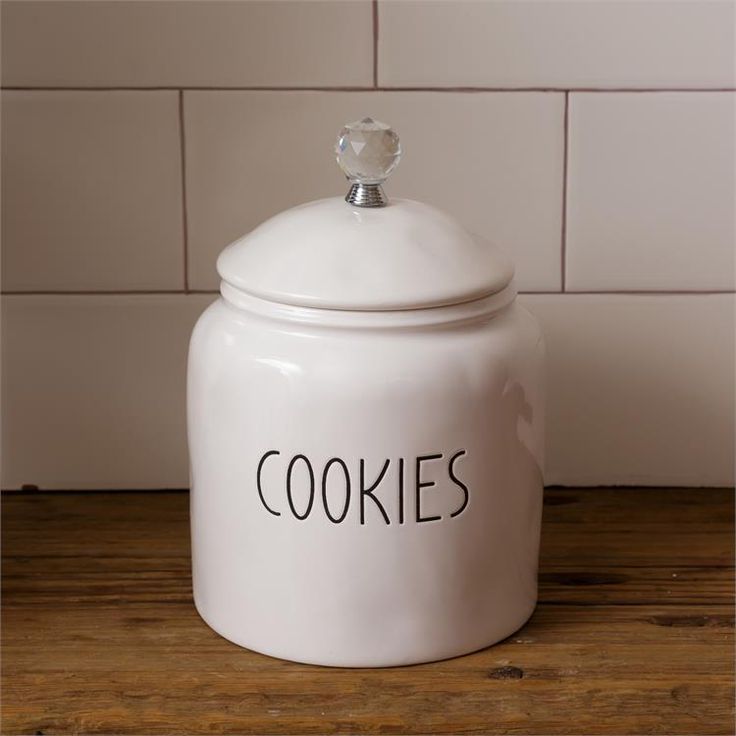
x=594, y=141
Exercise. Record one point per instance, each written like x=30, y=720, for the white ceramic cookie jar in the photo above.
x=365, y=411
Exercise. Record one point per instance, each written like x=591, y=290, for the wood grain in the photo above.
x=633, y=634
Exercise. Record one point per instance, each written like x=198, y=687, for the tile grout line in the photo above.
x=375, y=44
x=194, y=292
x=563, y=219
x=183, y=171
x=633, y=292
x=371, y=88
x=100, y=292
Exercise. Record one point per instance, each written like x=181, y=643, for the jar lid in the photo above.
x=365, y=252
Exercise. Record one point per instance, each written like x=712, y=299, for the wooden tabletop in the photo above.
x=633, y=633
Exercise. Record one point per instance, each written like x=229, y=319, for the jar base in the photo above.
x=358, y=662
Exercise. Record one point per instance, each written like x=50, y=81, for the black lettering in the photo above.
x=459, y=483
x=401, y=490
x=258, y=481
x=369, y=491
x=338, y=519
x=303, y=516
x=424, y=484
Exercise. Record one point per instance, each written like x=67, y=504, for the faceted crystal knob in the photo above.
x=367, y=152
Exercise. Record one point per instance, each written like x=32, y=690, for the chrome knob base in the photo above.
x=366, y=195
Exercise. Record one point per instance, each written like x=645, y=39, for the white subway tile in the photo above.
x=190, y=44
x=494, y=160
x=556, y=43
x=94, y=390
x=640, y=388
x=651, y=191
x=91, y=191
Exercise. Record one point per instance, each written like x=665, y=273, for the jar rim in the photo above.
x=467, y=311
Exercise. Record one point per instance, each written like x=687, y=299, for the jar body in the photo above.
x=365, y=492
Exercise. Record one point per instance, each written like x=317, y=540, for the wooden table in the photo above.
x=633, y=633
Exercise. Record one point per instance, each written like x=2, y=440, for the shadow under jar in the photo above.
x=365, y=416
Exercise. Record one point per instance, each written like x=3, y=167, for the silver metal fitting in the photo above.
x=366, y=195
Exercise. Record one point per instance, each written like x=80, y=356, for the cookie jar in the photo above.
x=365, y=422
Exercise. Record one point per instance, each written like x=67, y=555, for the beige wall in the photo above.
x=594, y=141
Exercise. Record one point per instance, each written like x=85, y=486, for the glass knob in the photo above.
x=367, y=151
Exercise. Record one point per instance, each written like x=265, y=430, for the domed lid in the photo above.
x=365, y=252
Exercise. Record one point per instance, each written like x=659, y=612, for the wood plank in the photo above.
x=580, y=527
x=634, y=632
x=108, y=581
x=149, y=636
x=583, y=670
